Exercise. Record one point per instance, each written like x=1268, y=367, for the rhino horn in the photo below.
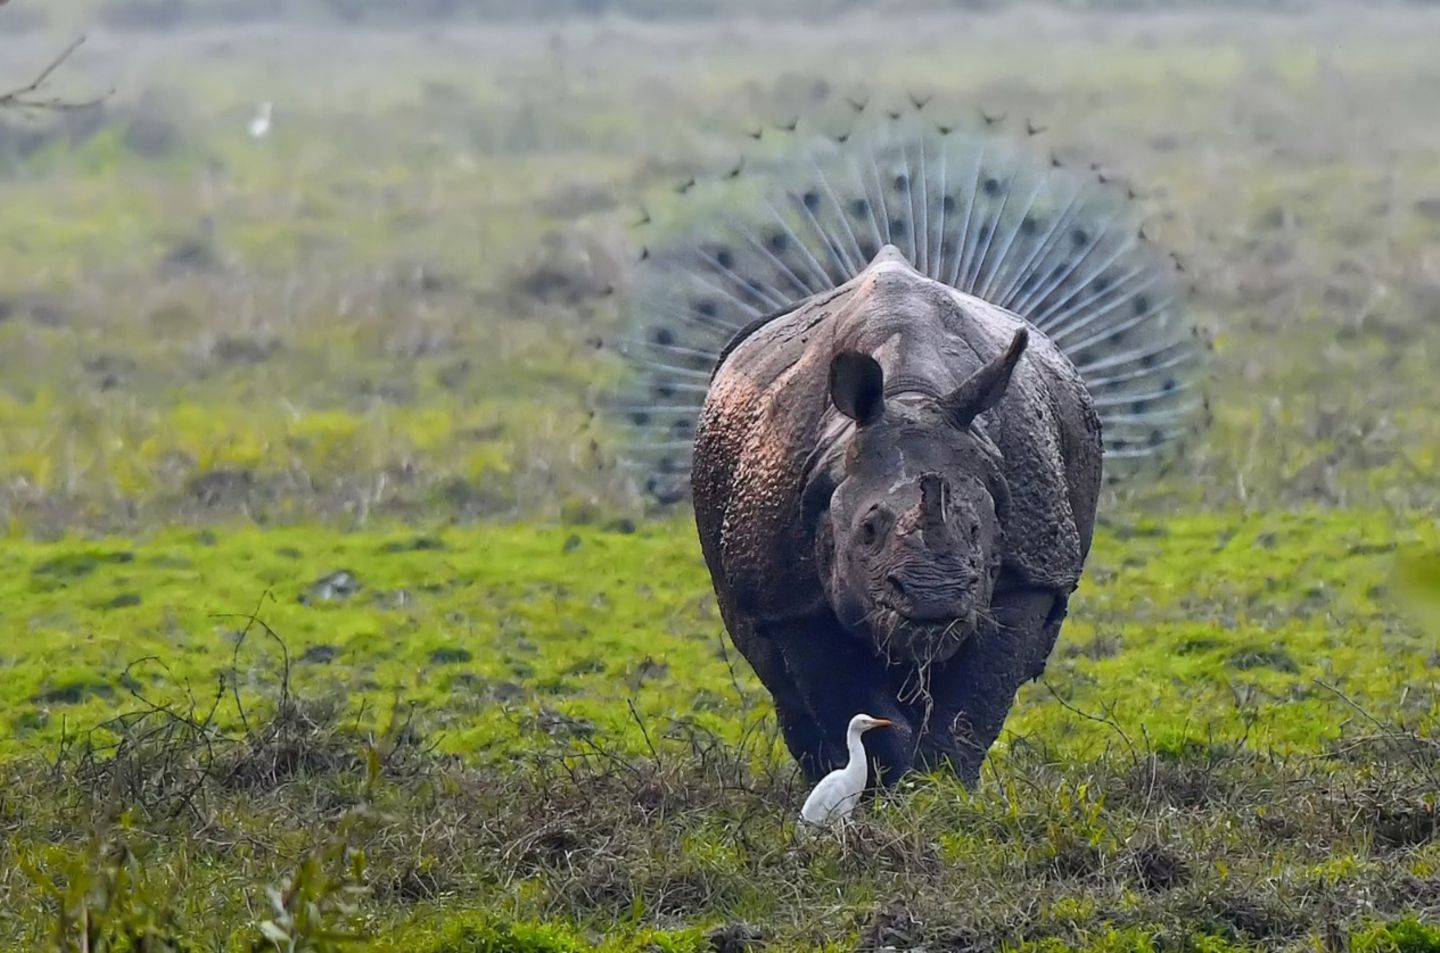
x=857, y=386
x=984, y=388
x=933, y=504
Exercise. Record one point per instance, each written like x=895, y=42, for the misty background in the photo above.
x=328, y=259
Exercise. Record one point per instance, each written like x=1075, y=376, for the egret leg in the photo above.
x=972, y=693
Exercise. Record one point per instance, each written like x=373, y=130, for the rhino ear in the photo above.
x=983, y=389
x=857, y=386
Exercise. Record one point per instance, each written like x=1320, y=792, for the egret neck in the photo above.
x=857, y=771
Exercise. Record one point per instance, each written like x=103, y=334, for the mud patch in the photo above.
x=60, y=571
x=450, y=656
x=1277, y=659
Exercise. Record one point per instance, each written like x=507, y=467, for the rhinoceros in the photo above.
x=887, y=381
x=895, y=487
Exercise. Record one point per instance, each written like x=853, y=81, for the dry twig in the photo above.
x=28, y=96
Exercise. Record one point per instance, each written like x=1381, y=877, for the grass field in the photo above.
x=327, y=612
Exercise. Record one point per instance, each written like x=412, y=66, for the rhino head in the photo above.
x=908, y=518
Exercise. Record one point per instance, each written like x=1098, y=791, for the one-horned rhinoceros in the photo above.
x=895, y=486
x=891, y=373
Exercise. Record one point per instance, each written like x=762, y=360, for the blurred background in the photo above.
x=326, y=259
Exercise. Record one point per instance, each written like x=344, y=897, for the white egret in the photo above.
x=260, y=124
x=839, y=791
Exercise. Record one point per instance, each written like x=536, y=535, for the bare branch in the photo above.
x=27, y=97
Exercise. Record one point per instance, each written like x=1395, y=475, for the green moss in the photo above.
x=485, y=937
x=1407, y=936
x=471, y=623
x=473, y=934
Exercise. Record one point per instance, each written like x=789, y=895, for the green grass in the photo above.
x=1201, y=625
x=231, y=369
x=1243, y=668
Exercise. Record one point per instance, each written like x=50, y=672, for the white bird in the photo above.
x=260, y=125
x=839, y=791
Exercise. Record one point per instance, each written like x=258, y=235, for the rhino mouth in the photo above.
x=922, y=639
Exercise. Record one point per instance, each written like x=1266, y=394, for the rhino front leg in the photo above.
x=973, y=692
x=835, y=678
x=802, y=733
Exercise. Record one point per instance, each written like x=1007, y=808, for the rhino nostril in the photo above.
x=896, y=587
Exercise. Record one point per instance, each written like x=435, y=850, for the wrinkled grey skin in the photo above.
x=895, y=489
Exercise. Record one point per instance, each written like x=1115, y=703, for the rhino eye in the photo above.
x=870, y=527
x=974, y=529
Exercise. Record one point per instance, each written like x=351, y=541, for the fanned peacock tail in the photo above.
x=969, y=206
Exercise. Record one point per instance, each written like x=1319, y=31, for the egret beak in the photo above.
x=881, y=723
